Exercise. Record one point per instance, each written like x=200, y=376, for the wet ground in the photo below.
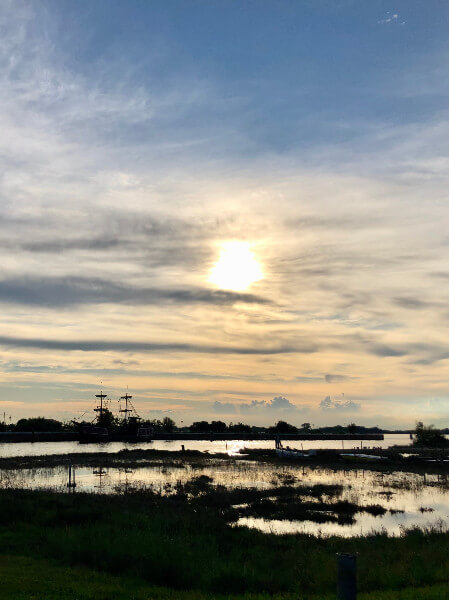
x=409, y=499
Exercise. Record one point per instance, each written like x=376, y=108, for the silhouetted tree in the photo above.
x=106, y=419
x=239, y=428
x=38, y=424
x=218, y=427
x=429, y=437
x=200, y=427
x=283, y=427
x=168, y=425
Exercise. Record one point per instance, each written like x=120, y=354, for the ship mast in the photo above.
x=100, y=409
x=126, y=410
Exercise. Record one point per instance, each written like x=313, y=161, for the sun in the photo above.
x=237, y=268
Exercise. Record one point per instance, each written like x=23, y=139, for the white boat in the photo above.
x=366, y=457
x=292, y=453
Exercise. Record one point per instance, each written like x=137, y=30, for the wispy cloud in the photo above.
x=339, y=404
x=134, y=346
x=391, y=18
x=335, y=377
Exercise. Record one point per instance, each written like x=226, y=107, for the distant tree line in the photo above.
x=107, y=419
x=424, y=435
x=279, y=427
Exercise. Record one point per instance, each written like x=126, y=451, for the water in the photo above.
x=411, y=499
x=231, y=447
x=415, y=500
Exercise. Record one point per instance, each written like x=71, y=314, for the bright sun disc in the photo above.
x=236, y=268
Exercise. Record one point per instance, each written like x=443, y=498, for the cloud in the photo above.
x=413, y=303
x=338, y=404
x=278, y=405
x=334, y=378
x=384, y=350
x=391, y=19
x=144, y=347
x=66, y=291
x=118, y=186
x=226, y=408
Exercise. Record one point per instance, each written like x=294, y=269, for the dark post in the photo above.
x=346, y=577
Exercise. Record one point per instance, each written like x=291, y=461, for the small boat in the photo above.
x=288, y=452
x=362, y=457
x=292, y=453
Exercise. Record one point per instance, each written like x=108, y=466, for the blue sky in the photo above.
x=140, y=139
x=284, y=66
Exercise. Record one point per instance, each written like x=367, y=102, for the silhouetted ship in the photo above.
x=103, y=428
x=96, y=431
x=131, y=427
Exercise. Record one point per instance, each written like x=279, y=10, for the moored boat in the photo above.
x=362, y=457
x=293, y=452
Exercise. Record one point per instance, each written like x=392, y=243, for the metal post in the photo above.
x=346, y=577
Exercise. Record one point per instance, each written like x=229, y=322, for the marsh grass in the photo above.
x=182, y=542
x=123, y=458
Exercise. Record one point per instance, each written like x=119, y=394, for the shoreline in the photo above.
x=394, y=459
x=69, y=436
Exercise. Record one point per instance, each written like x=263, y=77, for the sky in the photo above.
x=236, y=209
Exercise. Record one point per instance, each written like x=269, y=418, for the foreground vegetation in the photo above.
x=144, y=545
x=26, y=578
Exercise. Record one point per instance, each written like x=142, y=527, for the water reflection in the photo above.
x=410, y=499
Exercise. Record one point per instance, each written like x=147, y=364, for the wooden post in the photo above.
x=72, y=483
x=346, y=576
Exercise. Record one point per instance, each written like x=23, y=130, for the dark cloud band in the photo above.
x=145, y=347
x=69, y=291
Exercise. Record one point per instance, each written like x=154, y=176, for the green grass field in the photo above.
x=143, y=546
x=25, y=578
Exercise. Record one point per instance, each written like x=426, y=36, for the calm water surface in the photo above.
x=413, y=499
x=39, y=448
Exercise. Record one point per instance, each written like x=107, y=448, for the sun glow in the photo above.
x=237, y=268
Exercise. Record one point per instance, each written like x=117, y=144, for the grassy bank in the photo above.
x=177, y=544
x=25, y=578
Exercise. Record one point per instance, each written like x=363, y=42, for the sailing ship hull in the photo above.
x=94, y=434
